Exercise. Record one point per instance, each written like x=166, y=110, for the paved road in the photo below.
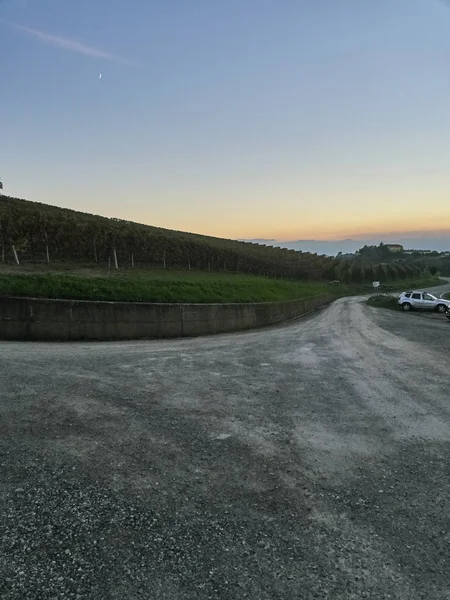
x=306, y=461
x=442, y=290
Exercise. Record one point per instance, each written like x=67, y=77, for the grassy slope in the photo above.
x=159, y=285
x=416, y=284
x=156, y=286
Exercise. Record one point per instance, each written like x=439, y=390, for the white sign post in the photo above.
x=376, y=284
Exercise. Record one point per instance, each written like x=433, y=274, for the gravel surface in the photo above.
x=306, y=461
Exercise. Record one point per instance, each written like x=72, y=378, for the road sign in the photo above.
x=376, y=284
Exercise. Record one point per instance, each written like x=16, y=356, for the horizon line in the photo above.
x=414, y=234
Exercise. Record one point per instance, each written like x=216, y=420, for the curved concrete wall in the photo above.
x=64, y=320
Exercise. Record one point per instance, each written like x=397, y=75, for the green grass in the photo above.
x=415, y=284
x=89, y=282
x=157, y=286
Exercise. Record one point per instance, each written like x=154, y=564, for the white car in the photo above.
x=423, y=301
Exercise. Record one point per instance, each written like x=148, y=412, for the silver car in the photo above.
x=420, y=300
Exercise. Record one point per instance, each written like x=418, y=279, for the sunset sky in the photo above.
x=278, y=119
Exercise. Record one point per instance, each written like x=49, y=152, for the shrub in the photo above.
x=384, y=302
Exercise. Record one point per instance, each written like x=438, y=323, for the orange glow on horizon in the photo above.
x=373, y=218
x=342, y=225
x=326, y=235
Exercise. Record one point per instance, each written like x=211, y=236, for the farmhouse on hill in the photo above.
x=394, y=247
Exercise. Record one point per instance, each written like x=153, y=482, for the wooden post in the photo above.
x=15, y=255
x=116, y=264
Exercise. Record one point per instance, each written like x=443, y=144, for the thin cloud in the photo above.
x=73, y=45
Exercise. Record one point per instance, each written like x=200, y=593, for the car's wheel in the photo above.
x=441, y=308
x=406, y=306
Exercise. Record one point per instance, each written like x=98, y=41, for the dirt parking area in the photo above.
x=306, y=461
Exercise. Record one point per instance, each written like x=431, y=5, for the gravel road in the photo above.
x=307, y=461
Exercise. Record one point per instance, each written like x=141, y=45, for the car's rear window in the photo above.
x=408, y=295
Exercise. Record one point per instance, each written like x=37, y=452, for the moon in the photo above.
x=100, y=76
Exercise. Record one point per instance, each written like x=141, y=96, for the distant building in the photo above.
x=394, y=247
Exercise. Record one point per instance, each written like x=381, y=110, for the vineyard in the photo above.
x=40, y=234
x=35, y=232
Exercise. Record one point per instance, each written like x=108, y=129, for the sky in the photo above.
x=278, y=119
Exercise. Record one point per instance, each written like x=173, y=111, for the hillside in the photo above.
x=36, y=234
x=40, y=233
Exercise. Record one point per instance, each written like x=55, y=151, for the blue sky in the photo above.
x=247, y=118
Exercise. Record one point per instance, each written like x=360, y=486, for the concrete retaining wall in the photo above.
x=64, y=320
